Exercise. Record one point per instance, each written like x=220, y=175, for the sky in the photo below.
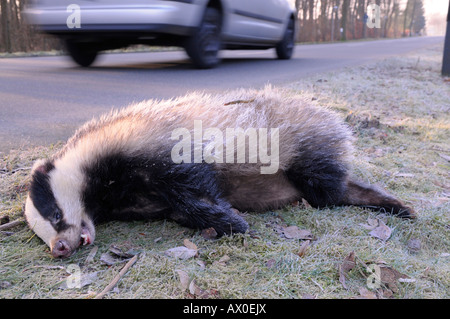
x=435, y=15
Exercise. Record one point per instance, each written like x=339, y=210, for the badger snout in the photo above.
x=61, y=249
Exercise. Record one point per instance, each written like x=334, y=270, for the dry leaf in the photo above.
x=382, y=231
x=184, y=279
x=414, y=245
x=222, y=261
x=209, y=233
x=201, y=263
x=187, y=243
x=197, y=291
x=389, y=277
x=123, y=250
x=306, y=204
x=293, y=232
x=91, y=255
x=181, y=252
x=367, y=294
x=345, y=267
x=372, y=223
x=303, y=248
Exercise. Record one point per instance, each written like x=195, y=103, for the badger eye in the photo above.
x=57, y=216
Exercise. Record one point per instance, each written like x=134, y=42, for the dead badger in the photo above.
x=191, y=160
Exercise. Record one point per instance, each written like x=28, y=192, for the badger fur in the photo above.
x=122, y=167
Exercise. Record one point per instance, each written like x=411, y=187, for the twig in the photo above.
x=117, y=278
x=11, y=224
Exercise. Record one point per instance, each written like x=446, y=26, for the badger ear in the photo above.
x=43, y=166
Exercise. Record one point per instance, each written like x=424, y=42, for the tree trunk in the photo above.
x=446, y=60
x=5, y=25
x=345, y=7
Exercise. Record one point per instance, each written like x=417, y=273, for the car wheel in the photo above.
x=285, y=48
x=204, y=45
x=82, y=53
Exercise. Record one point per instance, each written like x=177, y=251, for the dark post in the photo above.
x=446, y=60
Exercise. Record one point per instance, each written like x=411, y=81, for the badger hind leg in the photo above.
x=323, y=181
x=360, y=194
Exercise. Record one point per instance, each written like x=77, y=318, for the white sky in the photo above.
x=435, y=15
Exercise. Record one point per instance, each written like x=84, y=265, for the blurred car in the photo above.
x=201, y=27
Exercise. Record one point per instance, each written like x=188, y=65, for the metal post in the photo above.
x=446, y=60
x=333, y=12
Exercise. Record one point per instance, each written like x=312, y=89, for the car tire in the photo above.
x=204, y=45
x=285, y=48
x=82, y=53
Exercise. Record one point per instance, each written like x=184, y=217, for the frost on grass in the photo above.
x=399, y=111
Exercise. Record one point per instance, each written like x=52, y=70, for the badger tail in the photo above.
x=360, y=194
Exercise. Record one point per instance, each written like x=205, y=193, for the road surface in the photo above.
x=44, y=99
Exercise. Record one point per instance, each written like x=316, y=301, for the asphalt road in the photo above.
x=44, y=99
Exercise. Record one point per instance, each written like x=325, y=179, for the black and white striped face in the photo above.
x=54, y=209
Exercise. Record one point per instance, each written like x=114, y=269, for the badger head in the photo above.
x=54, y=209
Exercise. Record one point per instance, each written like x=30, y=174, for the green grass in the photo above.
x=399, y=110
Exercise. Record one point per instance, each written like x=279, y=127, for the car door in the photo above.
x=260, y=20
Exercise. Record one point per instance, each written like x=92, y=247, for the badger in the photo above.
x=182, y=159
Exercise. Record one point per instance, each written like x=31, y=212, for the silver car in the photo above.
x=201, y=27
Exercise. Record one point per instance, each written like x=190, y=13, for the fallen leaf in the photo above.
x=372, y=223
x=108, y=259
x=209, y=233
x=181, y=252
x=197, y=291
x=306, y=204
x=91, y=255
x=201, y=263
x=222, y=261
x=187, y=243
x=184, y=279
x=389, y=277
x=293, y=232
x=384, y=293
x=303, y=248
x=414, y=245
x=345, y=267
x=367, y=294
x=382, y=231
x=123, y=250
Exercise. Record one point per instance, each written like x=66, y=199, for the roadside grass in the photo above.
x=399, y=111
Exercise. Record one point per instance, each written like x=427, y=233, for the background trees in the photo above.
x=319, y=20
